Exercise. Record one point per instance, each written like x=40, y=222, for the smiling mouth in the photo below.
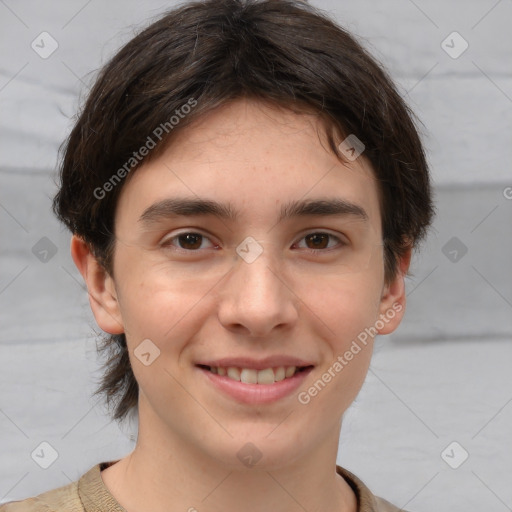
x=251, y=376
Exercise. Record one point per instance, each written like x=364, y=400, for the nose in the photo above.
x=256, y=299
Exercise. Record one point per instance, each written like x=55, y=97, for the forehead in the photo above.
x=254, y=157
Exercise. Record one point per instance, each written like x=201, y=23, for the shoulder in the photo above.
x=60, y=499
x=385, y=506
x=86, y=493
x=367, y=501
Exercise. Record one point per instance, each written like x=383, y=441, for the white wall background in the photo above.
x=444, y=376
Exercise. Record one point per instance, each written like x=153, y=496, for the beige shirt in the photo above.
x=89, y=494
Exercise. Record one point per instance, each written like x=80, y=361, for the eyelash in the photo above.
x=168, y=242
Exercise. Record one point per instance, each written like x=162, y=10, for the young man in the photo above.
x=244, y=187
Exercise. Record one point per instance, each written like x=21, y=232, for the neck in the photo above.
x=164, y=473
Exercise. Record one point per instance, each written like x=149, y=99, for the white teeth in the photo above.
x=249, y=376
x=290, y=370
x=279, y=374
x=233, y=373
x=266, y=376
x=252, y=376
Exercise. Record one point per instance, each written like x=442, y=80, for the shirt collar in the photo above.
x=95, y=496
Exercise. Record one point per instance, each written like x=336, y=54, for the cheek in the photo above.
x=156, y=297
x=155, y=308
x=348, y=302
x=346, y=309
x=352, y=317
x=345, y=305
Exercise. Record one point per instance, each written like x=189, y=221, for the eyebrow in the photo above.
x=172, y=207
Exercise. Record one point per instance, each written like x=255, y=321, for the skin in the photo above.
x=210, y=303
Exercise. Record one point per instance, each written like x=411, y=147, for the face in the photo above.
x=284, y=298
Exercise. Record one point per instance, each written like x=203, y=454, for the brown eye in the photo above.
x=186, y=242
x=190, y=241
x=318, y=240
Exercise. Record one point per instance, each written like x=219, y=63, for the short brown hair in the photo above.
x=283, y=52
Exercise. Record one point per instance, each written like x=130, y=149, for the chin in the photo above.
x=257, y=452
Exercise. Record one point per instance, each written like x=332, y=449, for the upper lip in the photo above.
x=256, y=364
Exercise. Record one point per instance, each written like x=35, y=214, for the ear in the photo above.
x=101, y=287
x=392, y=302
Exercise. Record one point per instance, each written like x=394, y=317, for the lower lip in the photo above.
x=256, y=393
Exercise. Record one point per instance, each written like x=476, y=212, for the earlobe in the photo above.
x=100, y=286
x=392, y=303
